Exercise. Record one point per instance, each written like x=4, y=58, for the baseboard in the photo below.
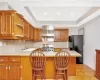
x=97, y=76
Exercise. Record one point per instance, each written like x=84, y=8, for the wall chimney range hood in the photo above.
x=47, y=38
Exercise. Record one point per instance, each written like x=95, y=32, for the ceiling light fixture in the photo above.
x=71, y=13
x=45, y=13
x=58, y=13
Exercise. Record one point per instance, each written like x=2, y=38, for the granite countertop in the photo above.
x=27, y=52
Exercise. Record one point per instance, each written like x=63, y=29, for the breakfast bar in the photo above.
x=50, y=67
x=26, y=70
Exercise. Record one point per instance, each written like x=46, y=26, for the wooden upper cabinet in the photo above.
x=15, y=70
x=57, y=34
x=8, y=28
x=18, y=26
x=64, y=35
x=37, y=35
x=26, y=30
x=61, y=35
x=1, y=23
x=4, y=71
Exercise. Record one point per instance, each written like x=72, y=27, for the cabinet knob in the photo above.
x=1, y=59
x=9, y=67
x=13, y=60
x=6, y=67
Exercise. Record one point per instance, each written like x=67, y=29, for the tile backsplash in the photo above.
x=14, y=46
x=10, y=46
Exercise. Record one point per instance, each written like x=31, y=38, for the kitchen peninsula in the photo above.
x=19, y=62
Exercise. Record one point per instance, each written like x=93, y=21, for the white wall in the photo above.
x=91, y=41
x=73, y=31
x=3, y=6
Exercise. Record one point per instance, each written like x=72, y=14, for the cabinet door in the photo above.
x=64, y=35
x=99, y=64
x=57, y=35
x=4, y=71
x=26, y=30
x=8, y=24
x=35, y=34
x=14, y=71
x=39, y=35
x=1, y=23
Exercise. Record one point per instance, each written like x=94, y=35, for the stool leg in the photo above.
x=43, y=75
x=64, y=75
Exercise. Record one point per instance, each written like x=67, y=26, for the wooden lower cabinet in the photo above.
x=98, y=64
x=26, y=68
x=10, y=70
x=4, y=71
x=15, y=71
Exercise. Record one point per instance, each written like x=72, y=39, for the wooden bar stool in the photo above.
x=38, y=63
x=61, y=64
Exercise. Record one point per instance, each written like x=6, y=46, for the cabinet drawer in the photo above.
x=3, y=59
x=15, y=59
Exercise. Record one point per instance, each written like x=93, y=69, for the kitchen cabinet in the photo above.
x=31, y=33
x=57, y=35
x=8, y=23
x=3, y=71
x=10, y=68
x=26, y=29
x=16, y=70
x=1, y=23
x=61, y=35
x=10, y=26
x=98, y=64
x=37, y=35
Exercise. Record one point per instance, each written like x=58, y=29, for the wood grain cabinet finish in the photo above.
x=4, y=71
x=37, y=35
x=1, y=23
x=10, y=68
x=61, y=35
x=98, y=64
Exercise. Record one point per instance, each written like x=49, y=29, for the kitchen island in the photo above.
x=24, y=70
x=50, y=67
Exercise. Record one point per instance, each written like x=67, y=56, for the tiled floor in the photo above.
x=83, y=73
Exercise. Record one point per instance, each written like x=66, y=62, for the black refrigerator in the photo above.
x=76, y=43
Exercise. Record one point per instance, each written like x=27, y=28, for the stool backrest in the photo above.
x=37, y=60
x=62, y=59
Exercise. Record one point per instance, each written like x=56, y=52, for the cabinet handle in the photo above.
x=6, y=67
x=1, y=59
x=9, y=67
x=21, y=78
x=13, y=60
x=20, y=66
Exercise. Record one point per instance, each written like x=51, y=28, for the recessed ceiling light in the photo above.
x=45, y=13
x=71, y=13
x=58, y=13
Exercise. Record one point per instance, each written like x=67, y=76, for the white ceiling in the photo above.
x=60, y=13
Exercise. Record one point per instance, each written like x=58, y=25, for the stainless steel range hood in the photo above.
x=47, y=37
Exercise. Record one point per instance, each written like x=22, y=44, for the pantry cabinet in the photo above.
x=10, y=68
x=61, y=35
x=98, y=64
